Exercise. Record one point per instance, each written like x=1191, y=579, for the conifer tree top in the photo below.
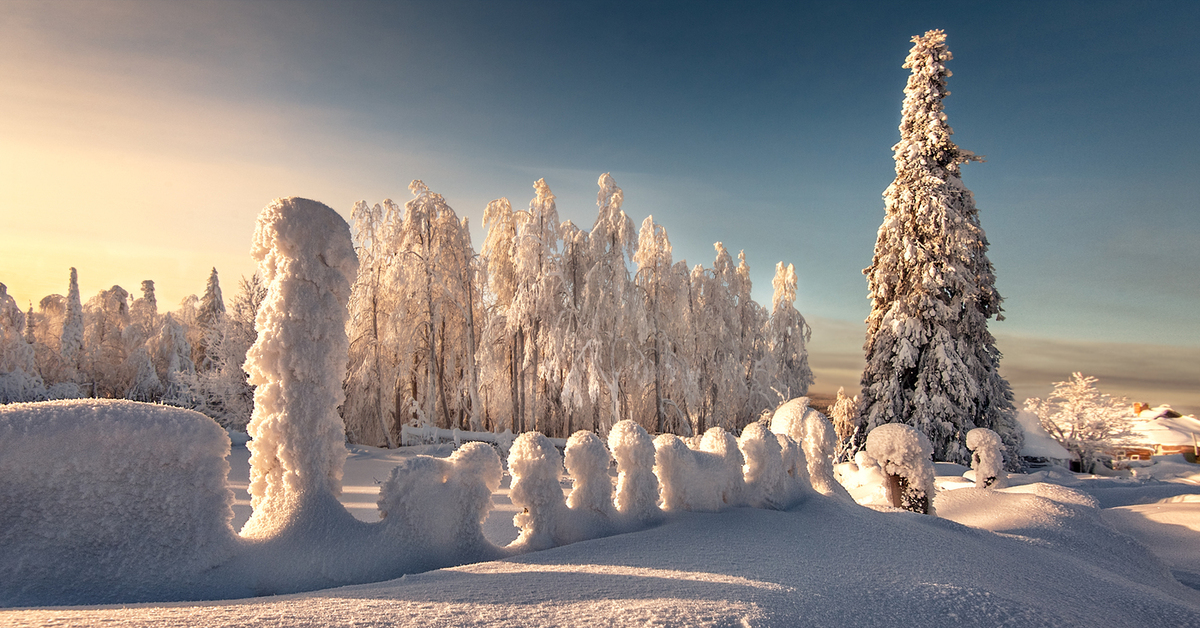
x=925, y=144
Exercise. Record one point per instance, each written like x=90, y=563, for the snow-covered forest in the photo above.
x=548, y=327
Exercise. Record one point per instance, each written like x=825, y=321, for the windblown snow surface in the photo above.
x=1037, y=554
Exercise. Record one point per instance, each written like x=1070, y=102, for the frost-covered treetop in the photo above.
x=925, y=136
x=305, y=239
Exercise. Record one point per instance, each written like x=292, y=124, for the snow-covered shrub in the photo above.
x=637, y=486
x=534, y=464
x=906, y=458
x=689, y=479
x=104, y=500
x=987, y=459
x=727, y=478
x=794, y=464
x=439, y=504
x=817, y=437
x=1083, y=420
x=587, y=462
x=764, y=475
x=306, y=258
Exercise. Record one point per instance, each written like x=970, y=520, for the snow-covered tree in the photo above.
x=607, y=344
x=789, y=336
x=371, y=372
x=210, y=314
x=71, y=339
x=664, y=287
x=306, y=257
x=105, y=356
x=846, y=423
x=19, y=377
x=931, y=361
x=228, y=396
x=1083, y=420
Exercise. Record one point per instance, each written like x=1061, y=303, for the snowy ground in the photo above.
x=1039, y=553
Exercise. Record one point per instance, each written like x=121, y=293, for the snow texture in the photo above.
x=637, y=486
x=728, y=480
x=307, y=260
x=689, y=479
x=987, y=458
x=902, y=451
x=109, y=500
x=768, y=485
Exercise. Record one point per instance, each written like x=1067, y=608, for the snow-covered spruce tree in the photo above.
x=931, y=361
x=105, y=355
x=71, y=340
x=307, y=260
x=210, y=314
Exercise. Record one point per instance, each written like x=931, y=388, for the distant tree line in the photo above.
x=549, y=328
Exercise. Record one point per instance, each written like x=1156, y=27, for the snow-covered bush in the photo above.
x=104, y=500
x=306, y=258
x=987, y=459
x=689, y=479
x=439, y=504
x=637, y=486
x=727, y=479
x=534, y=464
x=905, y=457
x=763, y=473
x=587, y=462
x=816, y=436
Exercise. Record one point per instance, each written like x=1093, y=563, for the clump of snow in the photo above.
x=104, y=500
x=905, y=457
x=816, y=435
x=587, y=462
x=306, y=258
x=766, y=480
x=440, y=503
x=534, y=464
x=689, y=479
x=727, y=479
x=637, y=487
x=987, y=459
x=794, y=464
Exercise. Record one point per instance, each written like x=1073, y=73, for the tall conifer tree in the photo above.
x=931, y=361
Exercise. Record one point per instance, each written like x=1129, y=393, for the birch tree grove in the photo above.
x=549, y=328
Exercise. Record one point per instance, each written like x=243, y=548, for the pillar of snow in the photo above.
x=816, y=435
x=763, y=471
x=587, y=462
x=306, y=258
x=795, y=468
x=728, y=480
x=987, y=458
x=637, y=486
x=534, y=464
x=906, y=458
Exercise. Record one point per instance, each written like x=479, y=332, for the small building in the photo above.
x=1158, y=432
x=1040, y=449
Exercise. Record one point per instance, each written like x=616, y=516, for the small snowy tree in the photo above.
x=905, y=457
x=1082, y=419
x=71, y=340
x=931, y=361
x=789, y=336
x=847, y=423
x=307, y=260
x=987, y=459
x=210, y=315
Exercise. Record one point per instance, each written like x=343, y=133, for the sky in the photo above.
x=139, y=140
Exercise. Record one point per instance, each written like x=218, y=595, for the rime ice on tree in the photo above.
x=931, y=362
x=306, y=258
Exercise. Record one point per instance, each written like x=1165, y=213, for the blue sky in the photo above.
x=139, y=140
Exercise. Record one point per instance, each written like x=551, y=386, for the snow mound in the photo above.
x=107, y=500
x=441, y=503
x=816, y=435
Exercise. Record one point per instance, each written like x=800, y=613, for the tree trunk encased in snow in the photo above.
x=987, y=458
x=906, y=459
x=307, y=260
